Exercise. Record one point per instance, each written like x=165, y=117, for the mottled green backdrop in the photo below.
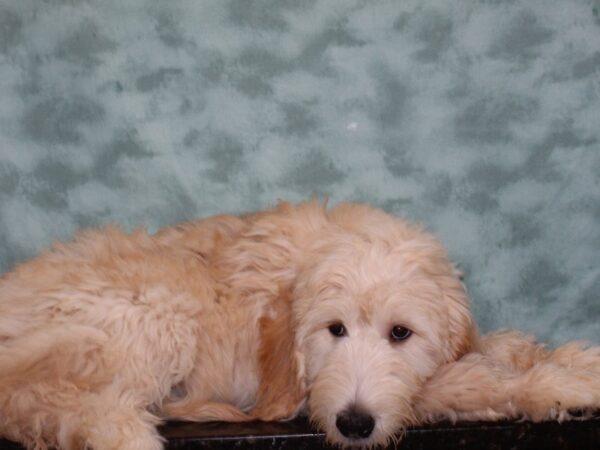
x=480, y=119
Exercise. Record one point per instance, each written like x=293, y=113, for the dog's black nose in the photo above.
x=355, y=424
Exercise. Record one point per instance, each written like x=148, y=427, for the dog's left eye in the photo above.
x=400, y=333
x=337, y=329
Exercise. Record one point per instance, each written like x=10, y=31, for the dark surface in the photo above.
x=576, y=435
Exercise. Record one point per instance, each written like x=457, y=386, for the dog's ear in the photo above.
x=282, y=388
x=432, y=258
x=461, y=326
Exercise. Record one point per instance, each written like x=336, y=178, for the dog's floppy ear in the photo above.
x=461, y=326
x=432, y=258
x=282, y=389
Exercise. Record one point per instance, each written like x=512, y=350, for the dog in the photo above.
x=348, y=313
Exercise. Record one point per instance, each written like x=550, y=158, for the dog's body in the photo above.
x=350, y=312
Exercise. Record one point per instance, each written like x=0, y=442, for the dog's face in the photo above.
x=373, y=323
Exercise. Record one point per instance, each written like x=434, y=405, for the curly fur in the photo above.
x=227, y=319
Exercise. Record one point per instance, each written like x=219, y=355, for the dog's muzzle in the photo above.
x=355, y=424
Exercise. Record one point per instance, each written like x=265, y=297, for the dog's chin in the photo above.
x=346, y=411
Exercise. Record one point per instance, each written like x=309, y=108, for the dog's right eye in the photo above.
x=337, y=329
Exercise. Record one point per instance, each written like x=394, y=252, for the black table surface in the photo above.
x=298, y=435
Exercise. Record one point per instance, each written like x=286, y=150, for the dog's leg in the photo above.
x=110, y=423
x=60, y=388
x=59, y=414
x=473, y=388
x=203, y=411
x=545, y=384
x=564, y=385
x=512, y=350
x=514, y=378
x=480, y=385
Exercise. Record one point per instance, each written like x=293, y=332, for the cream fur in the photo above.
x=227, y=319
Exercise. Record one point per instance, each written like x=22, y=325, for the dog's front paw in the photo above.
x=552, y=392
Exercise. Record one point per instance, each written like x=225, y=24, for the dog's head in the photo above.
x=374, y=320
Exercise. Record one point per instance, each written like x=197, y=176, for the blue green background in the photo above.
x=479, y=119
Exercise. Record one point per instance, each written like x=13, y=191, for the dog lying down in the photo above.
x=349, y=313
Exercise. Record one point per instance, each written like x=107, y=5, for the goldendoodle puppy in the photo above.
x=349, y=313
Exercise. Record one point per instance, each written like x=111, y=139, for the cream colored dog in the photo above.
x=350, y=313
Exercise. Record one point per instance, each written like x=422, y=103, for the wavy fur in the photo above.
x=228, y=318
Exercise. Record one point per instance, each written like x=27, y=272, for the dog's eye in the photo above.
x=337, y=329
x=400, y=333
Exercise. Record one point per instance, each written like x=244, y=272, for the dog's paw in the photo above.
x=551, y=392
